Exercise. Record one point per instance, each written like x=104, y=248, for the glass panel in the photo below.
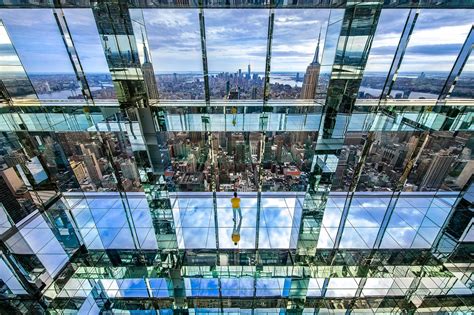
x=445, y=163
x=287, y=160
x=295, y=40
x=35, y=35
x=40, y=240
x=237, y=156
x=227, y=226
x=12, y=73
x=382, y=52
x=175, y=48
x=97, y=159
x=330, y=223
x=329, y=53
x=434, y=45
x=387, y=158
x=185, y=161
x=236, y=52
x=86, y=39
x=463, y=87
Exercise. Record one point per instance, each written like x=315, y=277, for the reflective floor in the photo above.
x=236, y=157
x=416, y=220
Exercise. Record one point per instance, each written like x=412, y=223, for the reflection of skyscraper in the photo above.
x=129, y=170
x=254, y=93
x=310, y=81
x=92, y=165
x=465, y=174
x=149, y=74
x=11, y=192
x=80, y=170
x=14, y=158
x=437, y=171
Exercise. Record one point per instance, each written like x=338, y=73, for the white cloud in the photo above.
x=442, y=35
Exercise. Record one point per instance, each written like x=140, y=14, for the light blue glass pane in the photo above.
x=270, y=287
x=159, y=287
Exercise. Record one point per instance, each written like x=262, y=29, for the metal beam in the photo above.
x=246, y=4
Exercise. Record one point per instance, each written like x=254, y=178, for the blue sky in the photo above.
x=235, y=38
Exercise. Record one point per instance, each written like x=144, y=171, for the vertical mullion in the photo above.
x=202, y=28
x=400, y=52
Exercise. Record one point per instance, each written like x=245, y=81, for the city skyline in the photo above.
x=291, y=27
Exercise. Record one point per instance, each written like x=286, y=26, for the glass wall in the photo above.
x=236, y=51
x=294, y=45
x=386, y=40
x=13, y=75
x=463, y=87
x=175, y=49
x=86, y=40
x=37, y=39
x=434, y=45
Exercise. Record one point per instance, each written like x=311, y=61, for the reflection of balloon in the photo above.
x=234, y=122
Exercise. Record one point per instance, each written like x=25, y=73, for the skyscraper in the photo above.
x=437, y=171
x=310, y=81
x=149, y=74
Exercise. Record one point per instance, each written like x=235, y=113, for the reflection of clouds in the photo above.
x=274, y=237
x=270, y=287
x=351, y=239
x=440, y=17
x=84, y=32
x=174, y=39
x=201, y=287
x=133, y=288
x=237, y=287
x=109, y=218
x=197, y=218
x=403, y=236
x=332, y=217
x=197, y=237
x=358, y=238
x=377, y=286
x=437, y=33
x=275, y=217
x=342, y=287
x=406, y=217
x=372, y=202
x=235, y=39
x=295, y=37
x=142, y=218
x=36, y=37
x=170, y=18
x=314, y=286
x=326, y=237
x=117, y=288
x=361, y=218
x=428, y=32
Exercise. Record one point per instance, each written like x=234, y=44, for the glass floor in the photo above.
x=204, y=223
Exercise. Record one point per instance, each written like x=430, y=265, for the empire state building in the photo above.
x=308, y=90
x=149, y=74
